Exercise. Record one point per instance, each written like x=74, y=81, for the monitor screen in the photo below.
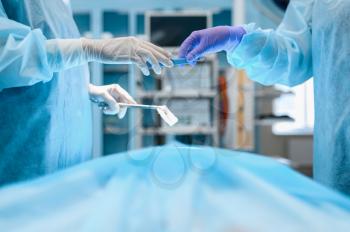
x=171, y=31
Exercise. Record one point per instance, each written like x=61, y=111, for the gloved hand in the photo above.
x=67, y=53
x=216, y=39
x=111, y=95
x=127, y=50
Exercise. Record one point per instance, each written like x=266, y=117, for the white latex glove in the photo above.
x=67, y=53
x=111, y=95
x=127, y=50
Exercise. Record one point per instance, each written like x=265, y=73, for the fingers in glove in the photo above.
x=122, y=112
x=189, y=43
x=142, y=65
x=113, y=106
x=152, y=60
x=121, y=95
x=164, y=60
x=196, y=53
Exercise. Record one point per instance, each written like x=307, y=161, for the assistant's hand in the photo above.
x=216, y=39
x=111, y=95
x=126, y=50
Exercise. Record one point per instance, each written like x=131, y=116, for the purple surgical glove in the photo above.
x=211, y=40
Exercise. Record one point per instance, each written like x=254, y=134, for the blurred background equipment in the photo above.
x=190, y=91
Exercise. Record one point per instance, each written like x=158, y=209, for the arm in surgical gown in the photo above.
x=26, y=56
x=282, y=56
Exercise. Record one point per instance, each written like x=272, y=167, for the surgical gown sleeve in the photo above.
x=282, y=56
x=26, y=56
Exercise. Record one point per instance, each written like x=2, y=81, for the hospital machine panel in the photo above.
x=190, y=112
x=170, y=29
x=197, y=78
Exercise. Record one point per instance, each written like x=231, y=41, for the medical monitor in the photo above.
x=170, y=29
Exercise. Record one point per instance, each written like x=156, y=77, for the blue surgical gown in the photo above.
x=45, y=115
x=312, y=41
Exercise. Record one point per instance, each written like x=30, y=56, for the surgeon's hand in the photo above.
x=212, y=40
x=111, y=95
x=127, y=50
